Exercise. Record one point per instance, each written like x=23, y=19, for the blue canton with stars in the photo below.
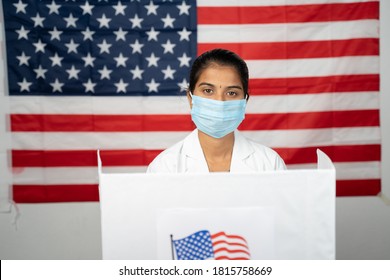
x=197, y=246
x=99, y=47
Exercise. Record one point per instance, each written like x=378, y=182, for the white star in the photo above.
x=70, y=20
x=22, y=33
x=53, y=8
x=152, y=59
x=55, y=34
x=40, y=72
x=89, y=86
x=57, y=86
x=56, y=60
x=88, y=60
x=152, y=9
x=119, y=8
x=121, y=60
x=168, y=73
x=20, y=7
x=105, y=73
x=168, y=21
x=39, y=47
x=136, y=21
x=88, y=34
x=137, y=47
x=72, y=47
x=24, y=85
x=104, y=21
x=38, y=20
x=184, y=34
x=184, y=9
x=23, y=59
x=137, y=73
x=152, y=86
x=73, y=73
x=152, y=34
x=87, y=9
x=120, y=34
x=183, y=86
x=104, y=47
x=121, y=86
x=184, y=60
x=168, y=47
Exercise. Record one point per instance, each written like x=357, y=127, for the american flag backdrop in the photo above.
x=203, y=245
x=109, y=75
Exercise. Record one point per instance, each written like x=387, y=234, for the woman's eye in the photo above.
x=231, y=93
x=208, y=91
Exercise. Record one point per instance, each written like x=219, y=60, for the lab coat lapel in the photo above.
x=194, y=159
x=242, y=150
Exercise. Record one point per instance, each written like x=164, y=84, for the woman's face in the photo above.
x=219, y=83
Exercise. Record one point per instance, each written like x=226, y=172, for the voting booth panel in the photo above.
x=271, y=215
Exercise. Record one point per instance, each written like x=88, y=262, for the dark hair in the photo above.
x=221, y=57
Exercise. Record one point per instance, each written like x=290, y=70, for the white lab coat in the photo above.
x=187, y=156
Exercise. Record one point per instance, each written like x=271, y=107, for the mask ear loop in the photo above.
x=190, y=95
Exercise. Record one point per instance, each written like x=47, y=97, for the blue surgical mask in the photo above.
x=217, y=118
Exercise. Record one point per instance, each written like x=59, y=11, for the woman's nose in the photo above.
x=220, y=96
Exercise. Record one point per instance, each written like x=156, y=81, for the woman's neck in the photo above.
x=217, y=151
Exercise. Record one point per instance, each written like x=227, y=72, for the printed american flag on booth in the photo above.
x=109, y=75
x=203, y=245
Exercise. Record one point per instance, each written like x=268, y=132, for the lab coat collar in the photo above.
x=193, y=154
x=196, y=161
x=242, y=150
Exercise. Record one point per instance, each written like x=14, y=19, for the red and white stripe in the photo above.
x=314, y=83
x=229, y=247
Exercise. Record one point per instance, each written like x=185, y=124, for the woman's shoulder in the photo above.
x=253, y=145
x=168, y=160
x=260, y=148
x=264, y=153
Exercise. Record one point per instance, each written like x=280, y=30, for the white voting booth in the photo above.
x=271, y=215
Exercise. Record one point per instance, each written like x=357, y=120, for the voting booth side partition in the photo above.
x=272, y=215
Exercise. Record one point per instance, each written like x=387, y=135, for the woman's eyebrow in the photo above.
x=206, y=84
x=237, y=87
x=228, y=87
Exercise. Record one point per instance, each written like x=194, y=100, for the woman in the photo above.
x=218, y=93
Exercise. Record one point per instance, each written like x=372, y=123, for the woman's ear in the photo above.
x=189, y=97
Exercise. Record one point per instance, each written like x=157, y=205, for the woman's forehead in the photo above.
x=219, y=74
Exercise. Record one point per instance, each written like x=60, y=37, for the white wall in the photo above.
x=72, y=230
x=363, y=223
